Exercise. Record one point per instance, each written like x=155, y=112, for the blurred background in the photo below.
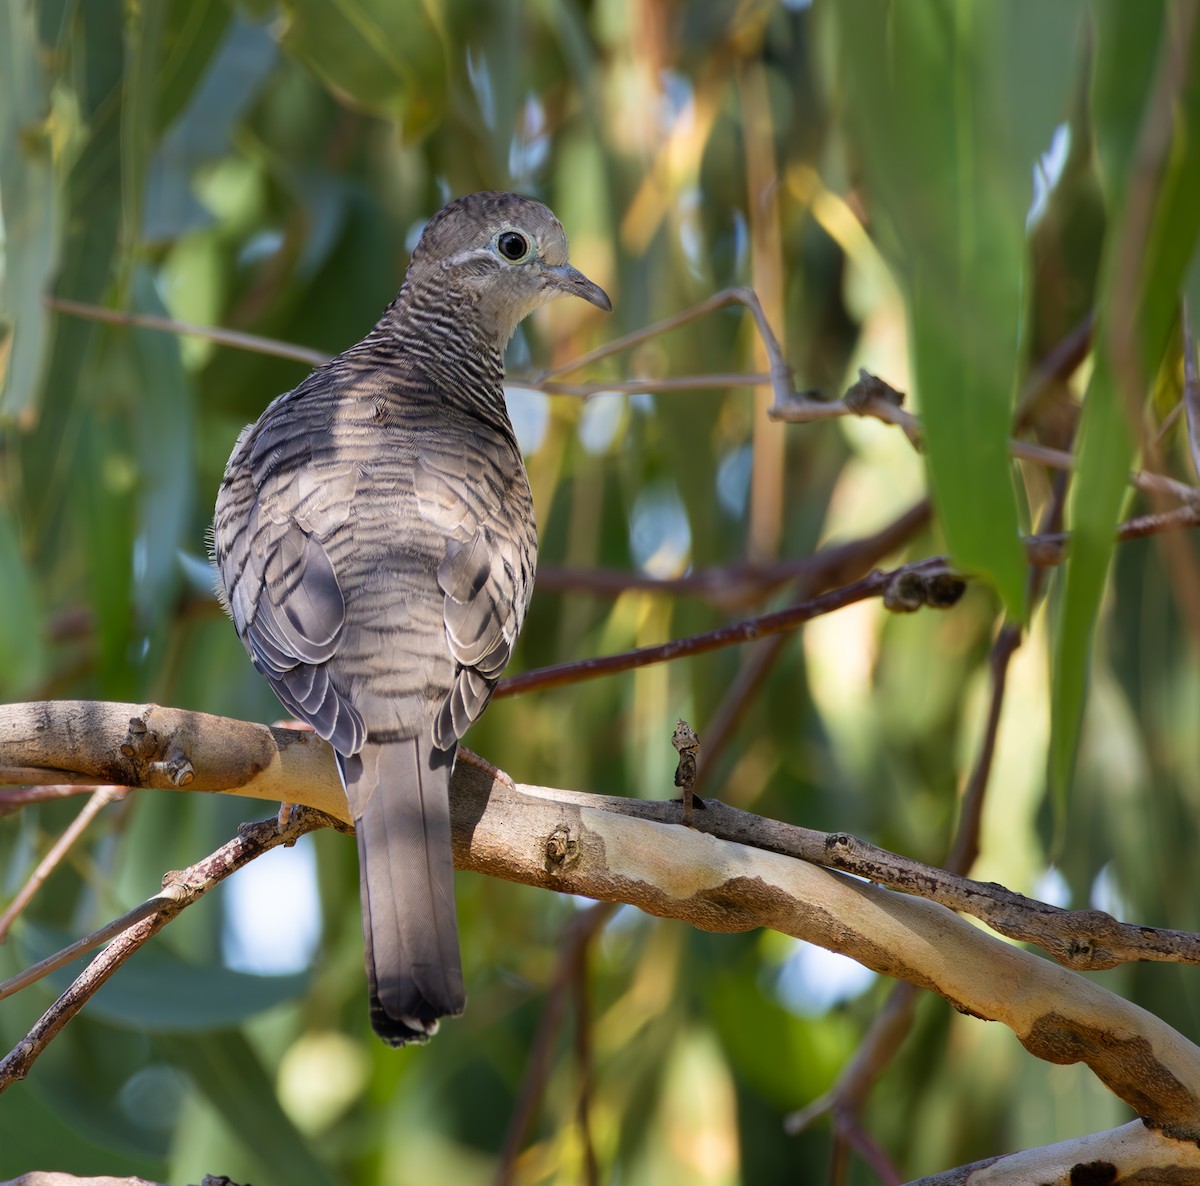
x=267, y=167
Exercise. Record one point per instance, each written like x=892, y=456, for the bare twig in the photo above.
x=804, y=410
x=73, y=951
x=17, y=797
x=100, y=799
x=747, y=583
x=577, y=936
x=789, y=405
x=222, y=337
x=181, y=890
x=869, y=586
x=780, y=376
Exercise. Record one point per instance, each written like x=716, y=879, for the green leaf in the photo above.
x=164, y=428
x=36, y=135
x=1139, y=301
x=45, y=459
x=193, y=31
x=226, y=1069
x=36, y=1136
x=22, y=645
x=950, y=107
x=386, y=56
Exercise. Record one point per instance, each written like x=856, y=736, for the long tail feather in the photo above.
x=399, y=795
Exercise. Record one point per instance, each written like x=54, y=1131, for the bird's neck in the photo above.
x=443, y=333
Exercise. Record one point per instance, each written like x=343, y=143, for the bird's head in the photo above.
x=506, y=253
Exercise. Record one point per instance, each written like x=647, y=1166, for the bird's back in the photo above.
x=387, y=476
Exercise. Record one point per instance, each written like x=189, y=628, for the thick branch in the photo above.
x=1131, y=1153
x=634, y=851
x=85, y=742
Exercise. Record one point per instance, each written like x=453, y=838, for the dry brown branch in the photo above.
x=731, y=872
x=789, y=405
x=293, y=766
x=100, y=799
x=1133, y=1153
x=875, y=584
x=577, y=935
x=210, y=333
x=733, y=586
x=180, y=889
x=802, y=409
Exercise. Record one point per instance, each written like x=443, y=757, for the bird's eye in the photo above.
x=513, y=246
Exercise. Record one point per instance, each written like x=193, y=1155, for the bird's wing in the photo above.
x=479, y=498
x=280, y=585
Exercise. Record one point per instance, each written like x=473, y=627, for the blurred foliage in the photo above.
x=938, y=192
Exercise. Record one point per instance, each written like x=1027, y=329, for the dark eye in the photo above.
x=513, y=246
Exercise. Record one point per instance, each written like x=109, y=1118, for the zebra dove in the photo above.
x=375, y=539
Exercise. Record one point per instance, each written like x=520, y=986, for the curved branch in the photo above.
x=636, y=852
x=1131, y=1153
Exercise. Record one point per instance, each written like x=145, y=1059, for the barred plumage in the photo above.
x=376, y=544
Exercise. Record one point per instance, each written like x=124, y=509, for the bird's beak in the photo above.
x=572, y=281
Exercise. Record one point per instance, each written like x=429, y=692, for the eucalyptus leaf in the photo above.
x=1154, y=220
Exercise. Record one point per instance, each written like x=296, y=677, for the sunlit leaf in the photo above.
x=1140, y=291
x=950, y=109
x=37, y=132
x=386, y=56
x=22, y=646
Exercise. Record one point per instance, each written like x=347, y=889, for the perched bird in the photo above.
x=375, y=540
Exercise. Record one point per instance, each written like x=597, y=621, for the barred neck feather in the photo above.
x=438, y=334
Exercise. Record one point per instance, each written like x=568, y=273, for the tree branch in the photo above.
x=1132, y=1153
x=179, y=890
x=732, y=872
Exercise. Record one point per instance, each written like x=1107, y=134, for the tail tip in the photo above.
x=408, y=1029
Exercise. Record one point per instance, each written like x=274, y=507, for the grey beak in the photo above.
x=572, y=281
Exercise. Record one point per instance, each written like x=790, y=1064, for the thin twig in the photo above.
x=803, y=410
x=716, y=380
x=578, y=934
x=790, y=406
x=100, y=799
x=748, y=582
x=780, y=376
x=73, y=951
x=223, y=337
x=14, y=798
x=1044, y=551
x=761, y=627
x=181, y=890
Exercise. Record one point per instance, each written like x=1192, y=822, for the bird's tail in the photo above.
x=399, y=795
